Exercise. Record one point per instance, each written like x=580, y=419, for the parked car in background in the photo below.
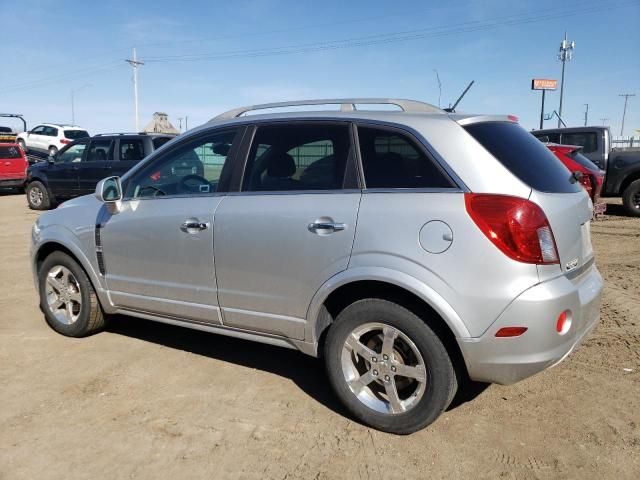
x=76, y=168
x=13, y=166
x=621, y=166
x=472, y=255
x=7, y=135
x=49, y=138
x=590, y=176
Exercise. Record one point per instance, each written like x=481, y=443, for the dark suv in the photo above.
x=76, y=169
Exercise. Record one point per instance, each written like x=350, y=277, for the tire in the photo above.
x=38, y=196
x=416, y=350
x=22, y=145
x=631, y=198
x=84, y=316
x=53, y=151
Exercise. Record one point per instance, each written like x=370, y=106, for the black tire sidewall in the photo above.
x=441, y=382
x=627, y=198
x=81, y=326
x=46, y=201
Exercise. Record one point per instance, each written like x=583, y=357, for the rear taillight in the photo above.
x=585, y=181
x=65, y=141
x=518, y=227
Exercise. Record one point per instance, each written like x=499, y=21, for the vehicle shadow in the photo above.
x=616, y=210
x=306, y=372
x=9, y=191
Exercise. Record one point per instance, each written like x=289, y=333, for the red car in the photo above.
x=592, y=177
x=13, y=166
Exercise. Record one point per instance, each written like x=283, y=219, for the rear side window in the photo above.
x=588, y=141
x=132, y=150
x=524, y=155
x=159, y=141
x=100, y=150
x=10, y=152
x=298, y=157
x=75, y=134
x=51, y=131
x=393, y=160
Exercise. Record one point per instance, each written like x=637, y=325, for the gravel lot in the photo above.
x=145, y=400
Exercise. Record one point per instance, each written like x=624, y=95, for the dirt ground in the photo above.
x=145, y=400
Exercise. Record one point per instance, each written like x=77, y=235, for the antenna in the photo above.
x=439, y=87
x=453, y=109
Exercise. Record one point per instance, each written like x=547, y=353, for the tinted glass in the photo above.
x=588, y=141
x=9, y=152
x=75, y=134
x=73, y=154
x=392, y=160
x=547, y=137
x=524, y=155
x=38, y=130
x=159, y=141
x=51, y=131
x=131, y=149
x=192, y=169
x=297, y=157
x=100, y=150
x=582, y=160
x=5, y=130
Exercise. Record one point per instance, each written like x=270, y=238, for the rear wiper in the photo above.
x=576, y=176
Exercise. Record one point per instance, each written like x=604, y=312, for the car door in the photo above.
x=157, y=250
x=35, y=138
x=95, y=165
x=62, y=176
x=290, y=229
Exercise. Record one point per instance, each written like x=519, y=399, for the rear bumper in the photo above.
x=509, y=360
x=12, y=182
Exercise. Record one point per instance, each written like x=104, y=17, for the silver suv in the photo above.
x=409, y=249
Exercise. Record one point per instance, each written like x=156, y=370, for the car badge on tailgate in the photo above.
x=572, y=264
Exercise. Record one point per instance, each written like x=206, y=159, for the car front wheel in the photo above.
x=67, y=298
x=38, y=196
x=631, y=198
x=53, y=151
x=388, y=367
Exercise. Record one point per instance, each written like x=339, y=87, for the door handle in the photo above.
x=193, y=226
x=326, y=227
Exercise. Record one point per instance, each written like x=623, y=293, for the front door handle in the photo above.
x=323, y=228
x=193, y=225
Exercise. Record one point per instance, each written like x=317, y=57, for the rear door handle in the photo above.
x=193, y=225
x=326, y=227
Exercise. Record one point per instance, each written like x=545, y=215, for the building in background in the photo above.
x=160, y=124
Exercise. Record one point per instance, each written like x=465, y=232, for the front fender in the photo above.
x=381, y=274
x=60, y=235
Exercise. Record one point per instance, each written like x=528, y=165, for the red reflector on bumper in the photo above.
x=511, y=331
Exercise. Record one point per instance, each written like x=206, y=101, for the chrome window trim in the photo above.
x=295, y=192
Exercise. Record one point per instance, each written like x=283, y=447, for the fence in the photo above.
x=625, y=142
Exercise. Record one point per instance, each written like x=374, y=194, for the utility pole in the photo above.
x=624, y=112
x=180, y=124
x=73, y=108
x=186, y=123
x=564, y=55
x=586, y=114
x=135, y=63
x=604, y=121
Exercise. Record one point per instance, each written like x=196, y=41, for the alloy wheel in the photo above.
x=64, y=298
x=35, y=196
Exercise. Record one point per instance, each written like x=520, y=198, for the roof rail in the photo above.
x=346, y=105
x=127, y=133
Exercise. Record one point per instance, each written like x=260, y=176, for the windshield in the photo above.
x=524, y=155
x=75, y=134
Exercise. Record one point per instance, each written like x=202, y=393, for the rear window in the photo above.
x=9, y=152
x=582, y=160
x=524, y=155
x=159, y=141
x=75, y=134
x=5, y=130
x=587, y=140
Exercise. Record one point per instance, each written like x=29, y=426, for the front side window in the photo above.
x=195, y=168
x=73, y=154
x=100, y=150
x=131, y=150
x=393, y=160
x=297, y=157
x=39, y=130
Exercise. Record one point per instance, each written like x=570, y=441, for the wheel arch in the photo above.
x=628, y=180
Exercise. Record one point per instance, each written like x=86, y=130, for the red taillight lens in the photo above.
x=585, y=181
x=65, y=141
x=518, y=227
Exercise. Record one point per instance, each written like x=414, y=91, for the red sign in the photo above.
x=543, y=84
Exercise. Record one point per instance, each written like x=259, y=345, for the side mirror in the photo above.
x=51, y=159
x=109, y=190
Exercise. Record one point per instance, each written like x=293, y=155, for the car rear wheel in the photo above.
x=67, y=298
x=388, y=367
x=38, y=196
x=631, y=198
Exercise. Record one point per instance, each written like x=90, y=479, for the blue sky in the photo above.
x=252, y=51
